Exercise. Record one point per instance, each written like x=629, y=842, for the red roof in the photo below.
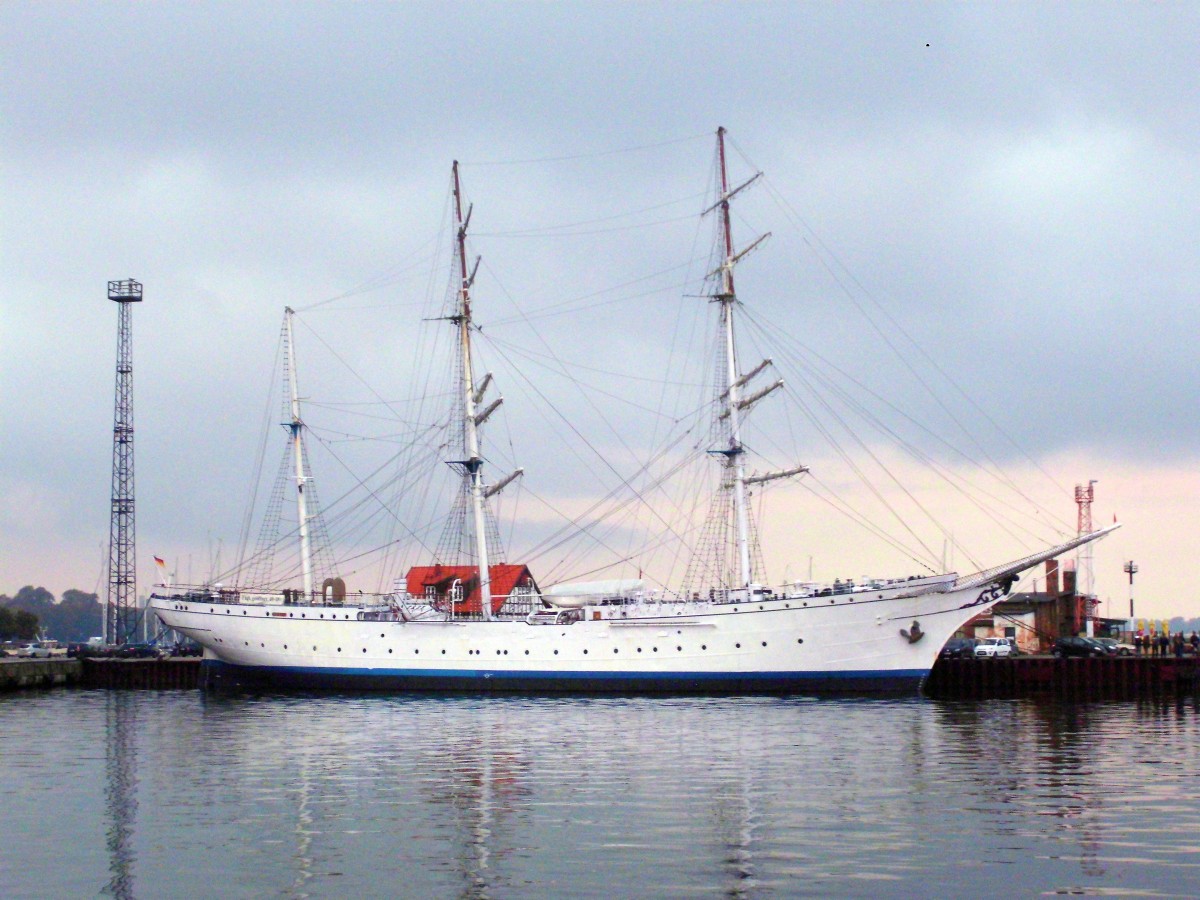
x=505, y=578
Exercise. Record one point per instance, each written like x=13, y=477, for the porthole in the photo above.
x=799, y=640
x=760, y=606
x=639, y=649
x=704, y=646
x=764, y=643
x=339, y=649
x=526, y=652
x=585, y=651
x=285, y=646
x=806, y=603
x=443, y=652
x=655, y=649
x=787, y=606
x=314, y=648
x=738, y=646
x=497, y=652
x=614, y=649
x=364, y=649
x=506, y=653
x=389, y=649
x=416, y=651
x=680, y=649
x=247, y=643
x=262, y=645
x=381, y=635
x=556, y=653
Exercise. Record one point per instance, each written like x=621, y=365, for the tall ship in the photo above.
x=467, y=620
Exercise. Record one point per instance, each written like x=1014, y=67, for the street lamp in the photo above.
x=1131, y=570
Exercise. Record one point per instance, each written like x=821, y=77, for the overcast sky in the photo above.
x=1014, y=185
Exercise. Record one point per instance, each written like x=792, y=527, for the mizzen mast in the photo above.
x=296, y=427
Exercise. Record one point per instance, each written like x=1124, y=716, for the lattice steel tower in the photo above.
x=121, y=612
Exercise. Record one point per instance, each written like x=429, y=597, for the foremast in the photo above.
x=733, y=400
x=296, y=429
x=472, y=397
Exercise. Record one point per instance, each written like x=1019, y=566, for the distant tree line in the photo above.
x=17, y=625
x=34, y=611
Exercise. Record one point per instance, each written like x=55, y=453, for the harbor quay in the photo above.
x=1075, y=678
x=174, y=673
x=1100, y=678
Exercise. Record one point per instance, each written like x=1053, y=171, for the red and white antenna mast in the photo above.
x=1084, y=495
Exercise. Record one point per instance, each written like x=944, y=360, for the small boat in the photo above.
x=473, y=622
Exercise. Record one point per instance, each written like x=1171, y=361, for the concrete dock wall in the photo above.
x=151, y=674
x=32, y=673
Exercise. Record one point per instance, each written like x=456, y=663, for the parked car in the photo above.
x=1117, y=648
x=991, y=648
x=1077, y=646
x=959, y=648
x=36, y=650
x=1014, y=650
x=137, y=651
x=1108, y=651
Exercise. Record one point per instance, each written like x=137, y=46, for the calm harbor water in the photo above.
x=161, y=794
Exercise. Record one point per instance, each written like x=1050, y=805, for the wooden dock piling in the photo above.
x=174, y=673
x=1097, y=678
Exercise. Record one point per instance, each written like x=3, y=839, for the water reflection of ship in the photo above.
x=486, y=786
x=736, y=816
x=305, y=828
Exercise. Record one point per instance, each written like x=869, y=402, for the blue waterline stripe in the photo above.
x=558, y=675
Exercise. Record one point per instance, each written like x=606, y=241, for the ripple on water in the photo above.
x=462, y=796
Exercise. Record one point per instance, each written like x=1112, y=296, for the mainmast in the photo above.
x=473, y=464
x=296, y=426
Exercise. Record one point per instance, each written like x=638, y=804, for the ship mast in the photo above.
x=733, y=400
x=473, y=464
x=296, y=426
x=735, y=453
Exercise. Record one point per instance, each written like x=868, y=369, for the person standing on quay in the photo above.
x=1177, y=641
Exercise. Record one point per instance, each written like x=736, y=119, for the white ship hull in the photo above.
x=860, y=641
